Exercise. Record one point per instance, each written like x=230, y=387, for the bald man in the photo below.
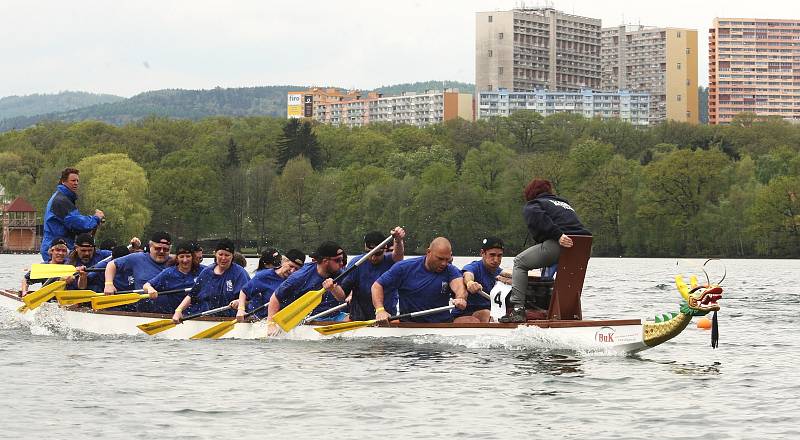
x=423, y=283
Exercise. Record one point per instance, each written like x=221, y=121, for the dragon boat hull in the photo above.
x=620, y=336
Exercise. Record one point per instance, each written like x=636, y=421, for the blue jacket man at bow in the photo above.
x=61, y=217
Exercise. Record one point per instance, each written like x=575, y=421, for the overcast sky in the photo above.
x=125, y=48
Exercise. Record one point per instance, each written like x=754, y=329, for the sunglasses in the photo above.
x=162, y=249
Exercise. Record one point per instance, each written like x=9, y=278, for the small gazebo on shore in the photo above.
x=19, y=226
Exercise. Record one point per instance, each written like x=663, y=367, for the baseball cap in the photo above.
x=184, y=247
x=84, y=239
x=491, y=243
x=161, y=237
x=224, y=245
x=296, y=256
x=328, y=249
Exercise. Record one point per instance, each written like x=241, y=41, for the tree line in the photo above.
x=669, y=190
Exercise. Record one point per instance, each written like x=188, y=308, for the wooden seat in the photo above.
x=565, y=302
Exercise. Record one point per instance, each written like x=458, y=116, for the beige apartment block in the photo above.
x=357, y=109
x=528, y=49
x=753, y=66
x=658, y=61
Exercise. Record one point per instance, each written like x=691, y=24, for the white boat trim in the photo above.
x=619, y=336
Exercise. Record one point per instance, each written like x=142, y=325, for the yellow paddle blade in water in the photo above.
x=216, y=331
x=46, y=270
x=71, y=297
x=108, y=301
x=23, y=308
x=41, y=296
x=154, y=327
x=343, y=327
x=292, y=315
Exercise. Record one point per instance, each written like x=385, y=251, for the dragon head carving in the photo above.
x=698, y=300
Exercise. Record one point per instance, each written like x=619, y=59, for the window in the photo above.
x=500, y=70
x=688, y=51
x=679, y=98
x=500, y=36
x=688, y=82
x=490, y=19
x=679, y=34
x=490, y=53
x=489, y=87
x=679, y=66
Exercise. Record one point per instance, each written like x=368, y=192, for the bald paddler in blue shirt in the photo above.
x=423, y=283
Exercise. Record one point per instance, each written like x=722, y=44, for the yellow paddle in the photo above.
x=71, y=297
x=41, y=296
x=347, y=326
x=292, y=315
x=124, y=298
x=159, y=326
x=46, y=270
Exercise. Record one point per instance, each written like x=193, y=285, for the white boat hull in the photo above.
x=619, y=336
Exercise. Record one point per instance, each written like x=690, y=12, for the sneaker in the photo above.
x=517, y=315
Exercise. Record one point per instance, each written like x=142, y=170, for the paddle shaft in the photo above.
x=206, y=313
x=421, y=313
x=341, y=275
x=326, y=312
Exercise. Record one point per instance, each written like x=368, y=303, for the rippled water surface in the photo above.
x=58, y=384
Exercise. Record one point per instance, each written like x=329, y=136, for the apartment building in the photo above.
x=753, y=66
x=354, y=109
x=527, y=49
x=633, y=107
x=658, y=61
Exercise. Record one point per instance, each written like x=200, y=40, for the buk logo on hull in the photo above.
x=605, y=335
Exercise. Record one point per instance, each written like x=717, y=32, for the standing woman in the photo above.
x=217, y=285
x=550, y=220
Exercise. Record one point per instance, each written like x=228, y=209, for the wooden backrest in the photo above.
x=565, y=302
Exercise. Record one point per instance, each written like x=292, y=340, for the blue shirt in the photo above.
x=299, y=283
x=476, y=301
x=94, y=280
x=360, y=281
x=259, y=289
x=212, y=291
x=419, y=289
x=169, y=279
x=138, y=268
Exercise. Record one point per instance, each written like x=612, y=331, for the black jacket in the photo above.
x=549, y=216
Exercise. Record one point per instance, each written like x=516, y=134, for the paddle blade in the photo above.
x=37, y=298
x=23, y=308
x=45, y=270
x=71, y=297
x=154, y=327
x=343, y=327
x=216, y=331
x=292, y=315
x=108, y=301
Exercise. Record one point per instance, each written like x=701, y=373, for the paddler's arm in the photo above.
x=111, y=271
x=457, y=286
x=240, y=305
x=178, y=315
x=335, y=289
x=150, y=290
x=83, y=279
x=470, y=283
x=398, y=253
x=381, y=314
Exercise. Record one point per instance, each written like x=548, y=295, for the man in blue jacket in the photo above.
x=61, y=217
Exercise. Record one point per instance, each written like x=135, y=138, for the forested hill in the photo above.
x=37, y=104
x=197, y=104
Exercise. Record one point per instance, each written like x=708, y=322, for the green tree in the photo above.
x=298, y=140
x=118, y=186
x=776, y=217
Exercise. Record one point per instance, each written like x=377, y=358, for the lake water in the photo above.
x=58, y=385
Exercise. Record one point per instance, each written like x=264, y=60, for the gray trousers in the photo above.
x=535, y=257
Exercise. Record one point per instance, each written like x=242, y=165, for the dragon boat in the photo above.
x=561, y=320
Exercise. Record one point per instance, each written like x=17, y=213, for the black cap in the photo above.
x=328, y=249
x=224, y=245
x=119, y=251
x=271, y=256
x=491, y=243
x=85, y=239
x=161, y=237
x=296, y=256
x=58, y=241
x=184, y=247
x=195, y=246
x=373, y=239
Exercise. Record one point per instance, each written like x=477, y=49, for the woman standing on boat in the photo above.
x=217, y=285
x=550, y=220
